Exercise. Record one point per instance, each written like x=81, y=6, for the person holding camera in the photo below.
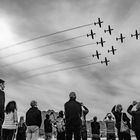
x=135, y=118
x=110, y=126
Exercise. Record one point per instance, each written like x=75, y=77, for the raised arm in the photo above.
x=129, y=110
x=113, y=110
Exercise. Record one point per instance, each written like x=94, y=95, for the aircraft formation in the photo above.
x=102, y=41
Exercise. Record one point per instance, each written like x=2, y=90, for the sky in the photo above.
x=37, y=63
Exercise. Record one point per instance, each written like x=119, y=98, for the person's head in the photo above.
x=21, y=120
x=61, y=114
x=33, y=103
x=72, y=95
x=109, y=115
x=119, y=108
x=47, y=116
x=138, y=106
x=2, y=84
x=11, y=107
x=94, y=118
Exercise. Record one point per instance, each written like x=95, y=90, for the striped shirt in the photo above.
x=10, y=121
x=110, y=126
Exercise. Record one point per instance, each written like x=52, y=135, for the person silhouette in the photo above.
x=2, y=104
x=73, y=111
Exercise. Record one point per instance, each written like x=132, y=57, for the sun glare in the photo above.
x=6, y=35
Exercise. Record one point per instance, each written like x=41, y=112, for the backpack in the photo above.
x=60, y=125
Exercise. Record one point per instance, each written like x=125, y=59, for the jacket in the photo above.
x=117, y=115
x=73, y=113
x=95, y=127
x=33, y=117
x=2, y=103
x=135, y=117
x=47, y=126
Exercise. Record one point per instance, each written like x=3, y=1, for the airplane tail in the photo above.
x=105, y=31
x=95, y=23
x=132, y=35
x=117, y=39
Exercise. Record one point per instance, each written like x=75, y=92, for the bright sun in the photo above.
x=6, y=35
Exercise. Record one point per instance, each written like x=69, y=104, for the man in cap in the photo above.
x=33, y=121
x=2, y=103
x=73, y=111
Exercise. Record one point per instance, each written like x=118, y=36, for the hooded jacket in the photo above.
x=33, y=117
x=73, y=113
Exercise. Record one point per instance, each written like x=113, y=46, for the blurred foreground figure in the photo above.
x=33, y=121
x=2, y=104
x=73, y=112
x=135, y=118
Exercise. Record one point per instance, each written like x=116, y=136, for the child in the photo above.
x=21, y=131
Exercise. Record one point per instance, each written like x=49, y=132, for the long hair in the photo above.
x=11, y=107
x=21, y=121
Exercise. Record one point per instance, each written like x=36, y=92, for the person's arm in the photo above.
x=126, y=119
x=113, y=110
x=15, y=117
x=129, y=110
x=85, y=109
x=40, y=119
x=105, y=119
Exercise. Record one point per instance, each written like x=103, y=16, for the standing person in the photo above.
x=95, y=129
x=33, y=121
x=119, y=115
x=136, y=118
x=21, y=131
x=2, y=104
x=48, y=128
x=83, y=118
x=10, y=122
x=73, y=112
x=60, y=126
x=110, y=126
